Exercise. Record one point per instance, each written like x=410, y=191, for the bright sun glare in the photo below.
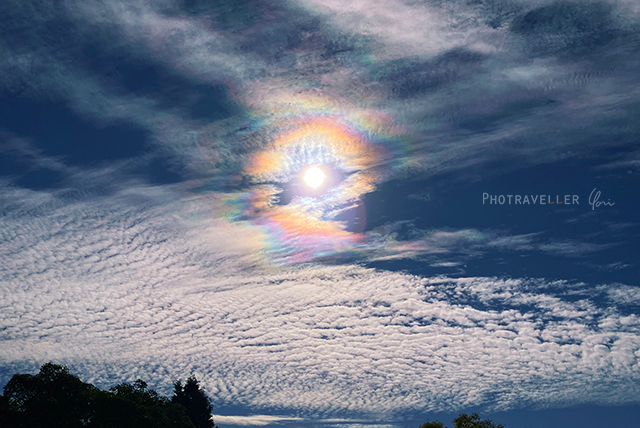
x=314, y=177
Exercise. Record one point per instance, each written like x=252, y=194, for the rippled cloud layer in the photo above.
x=137, y=296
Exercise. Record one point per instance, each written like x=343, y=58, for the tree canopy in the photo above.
x=55, y=398
x=193, y=398
x=465, y=421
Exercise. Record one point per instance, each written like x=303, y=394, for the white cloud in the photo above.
x=623, y=294
x=405, y=29
x=187, y=43
x=153, y=287
x=263, y=420
x=253, y=420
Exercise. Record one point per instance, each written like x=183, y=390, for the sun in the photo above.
x=314, y=177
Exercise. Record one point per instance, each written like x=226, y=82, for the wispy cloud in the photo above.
x=388, y=243
x=254, y=420
x=262, y=420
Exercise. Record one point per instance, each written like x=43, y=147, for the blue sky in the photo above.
x=154, y=222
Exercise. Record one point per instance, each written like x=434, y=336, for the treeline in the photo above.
x=465, y=421
x=54, y=398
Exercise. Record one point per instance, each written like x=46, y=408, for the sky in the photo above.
x=473, y=246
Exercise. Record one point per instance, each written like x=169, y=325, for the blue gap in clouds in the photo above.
x=31, y=177
x=40, y=179
x=161, y=169
x=454, y=202
x=57, y=130
x=137, y=73
x=585, y=416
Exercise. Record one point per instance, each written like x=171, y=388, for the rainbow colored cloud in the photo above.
x=300, y=223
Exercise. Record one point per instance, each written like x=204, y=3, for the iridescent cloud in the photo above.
x=352, y=146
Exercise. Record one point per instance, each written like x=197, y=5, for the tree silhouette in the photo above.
x=135, y=406
x=432, y=425
x=465, y=421
x=193, y=398
x=54, y=398
x=473, y=421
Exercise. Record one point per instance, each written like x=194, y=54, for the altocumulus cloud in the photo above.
x=130, y=288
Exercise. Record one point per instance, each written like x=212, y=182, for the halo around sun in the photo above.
x=314, y=177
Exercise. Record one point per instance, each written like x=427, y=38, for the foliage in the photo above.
x=465, y=421
x=54, y=398
x=432, y=425
x=193, y=398
x=473, y=421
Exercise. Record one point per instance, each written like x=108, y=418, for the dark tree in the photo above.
x=56, y=399
x=136, y=406
x=193, y=398
x=8, y=416
x=432, y=425
x=52, y=398
x=465, y=421
x=473, y=421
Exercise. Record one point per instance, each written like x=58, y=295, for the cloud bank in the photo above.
x=139, y=289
